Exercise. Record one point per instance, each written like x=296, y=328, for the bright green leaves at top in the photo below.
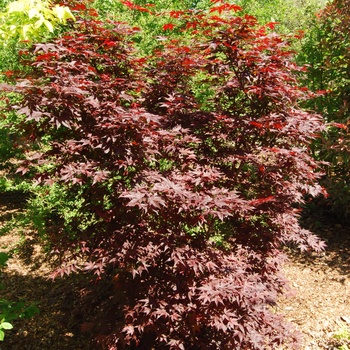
x=31, y=19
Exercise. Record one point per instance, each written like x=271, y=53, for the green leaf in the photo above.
x=16, y=6
x=49, y=25
x=2, y=335
x=3, y=259
x=25, y=30
x=33, y=12
x=6, y=325
x=30, y=311
x=63, y=13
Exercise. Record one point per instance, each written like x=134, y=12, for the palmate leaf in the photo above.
x=63, y=13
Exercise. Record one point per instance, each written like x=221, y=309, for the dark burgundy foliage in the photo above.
x=191, y=205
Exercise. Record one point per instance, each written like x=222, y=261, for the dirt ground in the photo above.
x=319, y=308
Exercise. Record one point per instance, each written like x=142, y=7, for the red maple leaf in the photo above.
x=271, y=25
x=168, y=26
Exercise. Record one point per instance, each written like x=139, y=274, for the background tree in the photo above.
x=291, y=15
x=327, y=52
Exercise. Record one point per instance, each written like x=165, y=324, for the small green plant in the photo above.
x=343, y=335
x=3, y=259
x=9, y=310
x=4, y=326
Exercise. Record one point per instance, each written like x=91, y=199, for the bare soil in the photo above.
x=319, y=308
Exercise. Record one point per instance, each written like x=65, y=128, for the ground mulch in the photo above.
x=320, y=307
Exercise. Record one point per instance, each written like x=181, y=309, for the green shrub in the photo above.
x=343, y=336
x=326, y=50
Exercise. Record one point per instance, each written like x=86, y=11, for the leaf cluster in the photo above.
x=28, y=19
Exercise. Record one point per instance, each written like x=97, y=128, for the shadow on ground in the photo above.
x=72, y=308
x=57, y=324
x=70, y=312
x=335, y=234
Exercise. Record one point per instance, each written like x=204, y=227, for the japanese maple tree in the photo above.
x=184, y=169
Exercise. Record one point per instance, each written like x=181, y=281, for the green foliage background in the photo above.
x=291, y=15
x=326, y=51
